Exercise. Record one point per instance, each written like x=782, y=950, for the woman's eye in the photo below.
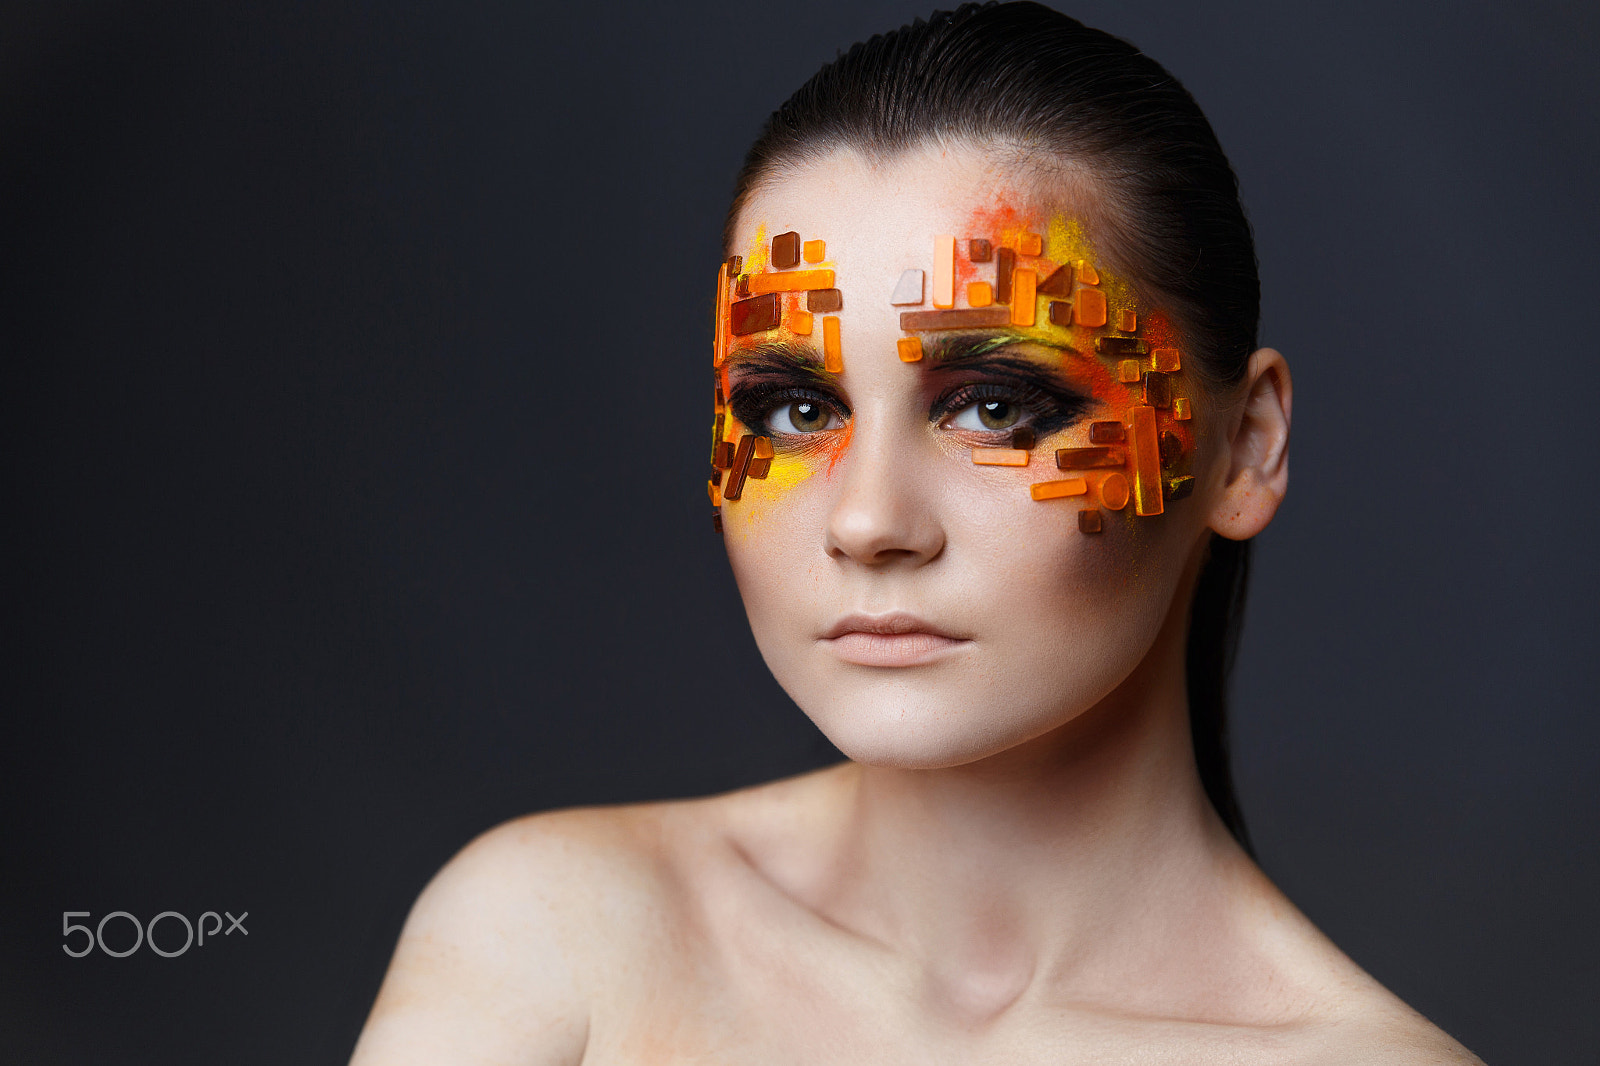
x=987, y=415
x=803, y=416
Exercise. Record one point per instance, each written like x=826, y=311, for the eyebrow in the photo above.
x=781, y=357
x=953, y=351
x=958, y=351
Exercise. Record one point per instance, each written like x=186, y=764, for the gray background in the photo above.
x=348, y=512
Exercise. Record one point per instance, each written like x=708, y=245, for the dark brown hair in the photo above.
x=1023, y=77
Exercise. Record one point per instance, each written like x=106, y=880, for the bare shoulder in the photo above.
x=1356, y=1021
x=500, y=952
x=1384, y=1034
x=1330, y=1011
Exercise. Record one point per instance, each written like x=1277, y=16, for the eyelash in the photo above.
x=1045, y=410
x=754, y=404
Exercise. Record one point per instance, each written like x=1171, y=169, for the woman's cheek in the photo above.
x=768, y=495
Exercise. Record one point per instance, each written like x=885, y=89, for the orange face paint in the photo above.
x=1054, y=286
x=771, y=294
x=1023, y=280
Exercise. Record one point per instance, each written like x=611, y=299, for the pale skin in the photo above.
x=1017, y=865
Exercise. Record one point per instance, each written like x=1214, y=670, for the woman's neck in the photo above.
x=1085, y=853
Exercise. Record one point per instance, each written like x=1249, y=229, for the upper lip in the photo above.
x=891, y=623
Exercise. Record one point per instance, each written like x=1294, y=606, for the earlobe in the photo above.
x=1258, y=447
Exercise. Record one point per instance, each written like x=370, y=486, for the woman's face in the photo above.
x=926, y=592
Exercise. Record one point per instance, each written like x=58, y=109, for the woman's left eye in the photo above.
x=987, y=416
x=996, y=407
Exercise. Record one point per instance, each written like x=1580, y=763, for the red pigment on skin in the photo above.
x=1103, y=383
x=1158, y=331
x=834, y=448
x=1000, y=224
x=966, y=270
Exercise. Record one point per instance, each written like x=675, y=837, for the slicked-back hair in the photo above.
x=1061, y=98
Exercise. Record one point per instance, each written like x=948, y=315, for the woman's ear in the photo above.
x=1258, y=446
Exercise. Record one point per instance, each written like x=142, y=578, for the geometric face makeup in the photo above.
x=979, y=293
x=753, y=303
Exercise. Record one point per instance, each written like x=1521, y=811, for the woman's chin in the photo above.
x=908, y=738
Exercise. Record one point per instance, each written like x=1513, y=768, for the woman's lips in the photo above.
x=896, y=639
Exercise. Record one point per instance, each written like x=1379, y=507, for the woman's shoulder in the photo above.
x=1381, y=1031
x=1344, y=1015
x=502, y=952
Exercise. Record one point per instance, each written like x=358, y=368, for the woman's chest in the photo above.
x=775, y=997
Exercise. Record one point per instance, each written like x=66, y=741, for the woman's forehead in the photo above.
x=880, y=203
x=877, y=215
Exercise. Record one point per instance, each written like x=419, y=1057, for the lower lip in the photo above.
x=892, y=649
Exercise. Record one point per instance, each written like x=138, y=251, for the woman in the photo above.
x=991, y=435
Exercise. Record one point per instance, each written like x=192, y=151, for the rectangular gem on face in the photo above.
x=1157, y=389
x=1146, y=448
x=1023, y=303
x=1091, y=308
x=1000, y=456
x=944, y=271
x=824, y=300
x=754, y=315
x=786, y=250
x=979, y=250
x=979, y=294
x=1030, y=244
x=800, y=323
x=719, y=351
x=1005, y=261
x=739, y=467
x=1055, y=490
x=814, y=251
x=1166, y=359
x=832, y=357
x=965, y=318
x=1089, y=521
x=910, y=349
x=1107, y=433
x=791, y=281
x=1089, y=458
x=1180, y=408
x=1118, y=346
x=1060, y=312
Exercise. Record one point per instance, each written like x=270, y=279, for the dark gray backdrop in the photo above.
x=349, y=512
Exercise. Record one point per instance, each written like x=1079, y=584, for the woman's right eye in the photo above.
x=802, y=416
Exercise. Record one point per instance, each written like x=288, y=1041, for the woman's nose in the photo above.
x=885, y=513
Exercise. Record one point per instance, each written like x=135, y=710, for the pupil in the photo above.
x=996, y=414
x=805, y=415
